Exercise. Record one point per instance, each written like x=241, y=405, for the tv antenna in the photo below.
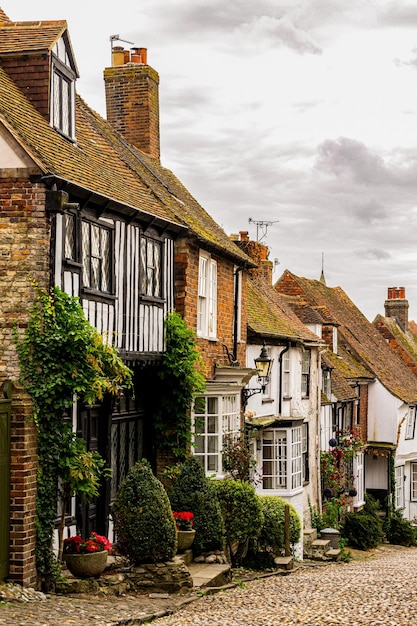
x=261, y=227
x=114, y=38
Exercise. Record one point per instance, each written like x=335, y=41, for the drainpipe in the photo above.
x=280, y=376
x=236, y=312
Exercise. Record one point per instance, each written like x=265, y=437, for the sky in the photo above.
x=301, y=116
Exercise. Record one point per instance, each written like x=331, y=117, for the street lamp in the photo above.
x=263, y=364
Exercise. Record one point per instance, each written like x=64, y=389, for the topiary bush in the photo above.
x=399, y=530
x=143, y=519
x=271, y=540
x=242, y=515
x=272, y=535
x=191, y=490
x=363, y=530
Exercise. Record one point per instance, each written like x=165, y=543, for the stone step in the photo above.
x=210, y=574
x=319, y=547
x=284, y=562
x=333, y=554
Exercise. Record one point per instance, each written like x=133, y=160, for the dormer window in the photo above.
x=62, y=90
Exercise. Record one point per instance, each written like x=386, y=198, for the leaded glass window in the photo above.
x=150, y=268
x=96, y=256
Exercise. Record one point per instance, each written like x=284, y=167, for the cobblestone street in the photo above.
x=381, y=589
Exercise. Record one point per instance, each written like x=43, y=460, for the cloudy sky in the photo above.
x=299, y=113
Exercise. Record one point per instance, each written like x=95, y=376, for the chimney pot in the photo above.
x=118, y=56
x=244, y=235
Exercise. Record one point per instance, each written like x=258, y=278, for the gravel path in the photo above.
x=382, y=589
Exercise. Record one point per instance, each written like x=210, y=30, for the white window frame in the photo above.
x=286, y=389
x=413, y=485
x=305, y=373
x=207, y=297
x=410, y=424
x=213, y=417
x=358, y=467
x=282, y=459
x=399, y=487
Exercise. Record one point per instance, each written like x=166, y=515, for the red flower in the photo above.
x=184, y=520
x=94, y=543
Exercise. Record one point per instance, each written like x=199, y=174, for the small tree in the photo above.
x=80, y=473
x=143, y=517
x=238, y=460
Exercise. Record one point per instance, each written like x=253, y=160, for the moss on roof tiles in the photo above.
x=102, y=162
x=358, y=337
x=269, y=316
x=406, y=339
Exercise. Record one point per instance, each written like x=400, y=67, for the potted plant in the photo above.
x=184, y=521
x=86, y=557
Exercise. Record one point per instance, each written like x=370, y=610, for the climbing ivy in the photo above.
x=181, y=377
x=61, y=356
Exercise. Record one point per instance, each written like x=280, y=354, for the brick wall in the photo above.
x=186, y=299
x=363, y=411
x=132, y=104
x=24, y=252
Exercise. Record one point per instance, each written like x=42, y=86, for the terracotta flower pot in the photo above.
x=87, y=565
x=185, y=539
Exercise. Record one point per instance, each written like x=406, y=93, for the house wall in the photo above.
x=293, y=406
x=186, y=299
x=382, y=414
x=24, y=253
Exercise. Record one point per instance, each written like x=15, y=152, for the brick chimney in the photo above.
x=396, y=305
x=258, y=252
x=132, y=99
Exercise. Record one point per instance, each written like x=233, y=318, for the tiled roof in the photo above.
x=26, y=37
x=359, y=342
x=268, y=315
x=3, y=17
x=344, y=370
x=407, y=340
x=102, y=162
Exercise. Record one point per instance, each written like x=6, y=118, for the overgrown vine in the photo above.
x=61, y=356
x=181, y=378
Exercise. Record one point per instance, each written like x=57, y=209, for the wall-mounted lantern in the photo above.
x=263, y=364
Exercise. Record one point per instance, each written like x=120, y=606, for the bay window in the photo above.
x=282, y=458
x=214, y=417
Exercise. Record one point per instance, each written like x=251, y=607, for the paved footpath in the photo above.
x=382, y=589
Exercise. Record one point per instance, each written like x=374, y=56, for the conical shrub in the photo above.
x=142, y=516
x=192, y=491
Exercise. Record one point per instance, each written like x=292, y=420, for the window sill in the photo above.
x=72, y=263
x=86, y=291
x=267, y=400
x=286, y=398
x=152, y=299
